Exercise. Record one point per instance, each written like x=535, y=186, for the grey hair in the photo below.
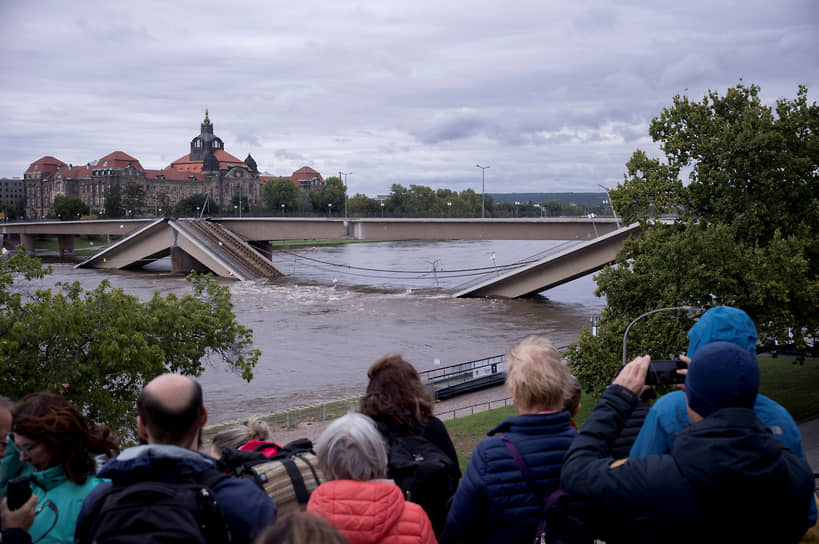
x=351, y=448
x=236, y=435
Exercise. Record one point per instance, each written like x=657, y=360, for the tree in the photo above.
x=190, y=206
x=363, y=206
x=133, y=199
x=69, y=207
x=332, y=193
x=276, y=192
x=98, y=348
x=745, y=229
x=113, y=201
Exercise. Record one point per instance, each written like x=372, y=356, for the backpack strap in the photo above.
x=302, y=495
x=527, y=475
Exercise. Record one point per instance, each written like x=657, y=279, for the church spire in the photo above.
x=206, y=115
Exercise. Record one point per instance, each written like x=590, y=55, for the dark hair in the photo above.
x=171, y=426
x=395, y=388
x=300, y=528
x=71, y=437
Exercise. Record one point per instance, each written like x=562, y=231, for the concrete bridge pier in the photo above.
x=66, y=243
x=182, y=263
x=28, y=241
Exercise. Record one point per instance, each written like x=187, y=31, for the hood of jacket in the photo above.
x=732, y=453
x=164, y=461
x=722, y=323
x=363, y=511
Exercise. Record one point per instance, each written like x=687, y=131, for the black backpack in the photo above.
x=288, y=477
x=558, y=524
x=427, y=476
x=140, y=510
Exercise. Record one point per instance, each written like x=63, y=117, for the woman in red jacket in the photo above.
x=357, y=499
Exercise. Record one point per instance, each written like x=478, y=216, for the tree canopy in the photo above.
x=276, y=192
x=69, y=207
x=742, y=230
x=99, y=347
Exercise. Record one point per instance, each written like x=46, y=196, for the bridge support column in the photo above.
x=66, y=242
x=182, y=263
x=28, y=241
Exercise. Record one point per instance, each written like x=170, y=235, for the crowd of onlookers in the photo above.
x=714, y=461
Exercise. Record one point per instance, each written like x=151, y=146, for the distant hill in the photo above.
x=578, y=199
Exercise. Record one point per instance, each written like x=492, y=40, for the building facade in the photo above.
x=12, y=198
x=207, y=169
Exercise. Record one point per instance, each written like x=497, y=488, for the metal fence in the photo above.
x=473, y=409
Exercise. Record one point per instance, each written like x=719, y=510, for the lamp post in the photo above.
x=449, y=209
x=517, y=205
x=330, y=209
x=639, y=317
x=235, y=209
x=483, y=188
x=611, y=204
x=382, y=210
x=345, y=174
x=282, y=209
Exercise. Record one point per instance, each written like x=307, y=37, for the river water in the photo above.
x=321, y=327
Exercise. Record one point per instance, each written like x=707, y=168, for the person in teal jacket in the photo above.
x=668, y=416
x=58, y=442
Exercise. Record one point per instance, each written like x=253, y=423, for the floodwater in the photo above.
x=341, y=307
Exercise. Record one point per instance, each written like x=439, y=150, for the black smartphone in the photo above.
x=18, y=492
x=664, y=372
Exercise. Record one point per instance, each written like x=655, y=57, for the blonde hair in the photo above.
x=236, y=435
x=571, y=402
x=536, y=375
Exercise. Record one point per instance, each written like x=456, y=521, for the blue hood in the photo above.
x=723, y=323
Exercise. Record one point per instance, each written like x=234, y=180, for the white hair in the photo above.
x=352, y=448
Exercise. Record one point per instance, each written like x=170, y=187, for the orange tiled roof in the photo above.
x=225, y=159
x=118, y=159
x=76, y=172
x=45, y=164
x=304, y=173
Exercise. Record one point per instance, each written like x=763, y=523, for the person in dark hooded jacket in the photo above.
x=668, y=415
x=727, y=479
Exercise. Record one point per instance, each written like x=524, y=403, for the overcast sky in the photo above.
x=551, y=95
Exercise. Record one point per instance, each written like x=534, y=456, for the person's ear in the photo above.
x=142, y=430
x=204, y=416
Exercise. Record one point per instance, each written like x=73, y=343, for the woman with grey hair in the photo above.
x=493, y=502
x=357, y=499
x=242, y=436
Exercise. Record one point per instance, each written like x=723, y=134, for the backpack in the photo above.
x=427, y=476
x=288, y=477
x=557, y=524
x=149, y=511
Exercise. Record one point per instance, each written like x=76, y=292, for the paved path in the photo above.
x=810, y=441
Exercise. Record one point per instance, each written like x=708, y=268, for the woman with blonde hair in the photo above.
x=494, y=502
x=242, y=436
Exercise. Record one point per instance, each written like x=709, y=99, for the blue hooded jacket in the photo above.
x=668, y=416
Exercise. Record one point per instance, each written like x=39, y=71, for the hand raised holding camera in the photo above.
x=633, y=375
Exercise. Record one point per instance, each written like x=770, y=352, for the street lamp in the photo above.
x=517, y=204
x=611, y=204
x=235, y=209
x=639, y=317
x=345, y=174
x=449, y=209
x=382, y=209
x=483, y=188
x=330, y=209
x=282, y=209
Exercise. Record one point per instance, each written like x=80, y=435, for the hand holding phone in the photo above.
x=18, y=492
x=664, y=372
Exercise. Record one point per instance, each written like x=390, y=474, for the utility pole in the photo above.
x=345, y=174
x=483, y=189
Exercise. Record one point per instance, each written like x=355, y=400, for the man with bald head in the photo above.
x=171, y=414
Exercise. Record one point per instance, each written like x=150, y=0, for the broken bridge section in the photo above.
x=553, y=269
x=193, y=244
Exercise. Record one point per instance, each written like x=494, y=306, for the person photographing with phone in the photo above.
x=17, y=521
x=727, y=479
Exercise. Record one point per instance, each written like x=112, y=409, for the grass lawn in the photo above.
x=792, y=385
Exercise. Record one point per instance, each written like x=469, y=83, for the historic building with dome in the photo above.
x=208, y=169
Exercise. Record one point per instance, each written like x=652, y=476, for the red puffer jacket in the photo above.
x=371, y=512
